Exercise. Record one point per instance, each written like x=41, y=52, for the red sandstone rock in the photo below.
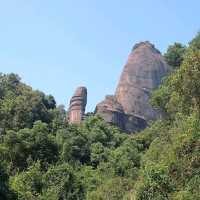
x=77, y=105
x=111, y=111
x=129, y=108
x=142, y=73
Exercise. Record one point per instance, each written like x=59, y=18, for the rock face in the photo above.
x=77, y=105
x=111, y=111
x=142, y=73
x=129, y=108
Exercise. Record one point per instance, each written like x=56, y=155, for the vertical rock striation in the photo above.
x=129, y=108
x=142, y=73
x=77, y=105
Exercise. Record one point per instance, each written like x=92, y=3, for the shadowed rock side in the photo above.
x=111, y=111
x=77, y=105
x=142, y=73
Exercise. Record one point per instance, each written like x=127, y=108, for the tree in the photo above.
x=29, y=144
x=175, y=54
x=186, y=84
x=98, y=153
x=195, y=43
x=155, y=185
x=61, y=182
x=170, y=167
x=5, y=192
x=28, y=184
x=58, y=183
x=181, y=90
x=20, y=106
x=125, y=160
x=112, y=189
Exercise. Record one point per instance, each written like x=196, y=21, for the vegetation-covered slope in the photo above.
x=42, y=157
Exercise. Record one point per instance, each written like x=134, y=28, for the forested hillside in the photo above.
x=43, y=157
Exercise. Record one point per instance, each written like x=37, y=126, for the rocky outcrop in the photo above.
x=77, y=105
x=142, y=73
x=111, y=111
x=129, y=108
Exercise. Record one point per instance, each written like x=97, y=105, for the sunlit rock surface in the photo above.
x=77, y=105
x=129, y=107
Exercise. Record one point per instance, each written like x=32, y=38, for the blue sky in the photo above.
x=56, y=46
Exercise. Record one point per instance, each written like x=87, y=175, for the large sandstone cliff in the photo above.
x=142, y=73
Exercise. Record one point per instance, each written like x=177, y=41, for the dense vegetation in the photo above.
x=42, y=157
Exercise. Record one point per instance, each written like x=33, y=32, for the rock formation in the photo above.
x=77, y=105
x=129, y=108
x=142, y=73
x=111, y=111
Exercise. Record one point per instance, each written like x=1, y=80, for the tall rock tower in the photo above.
x=77, y=105
x=129, y=108
x=142, y=73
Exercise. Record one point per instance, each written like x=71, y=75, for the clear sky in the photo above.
x=57, y=45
